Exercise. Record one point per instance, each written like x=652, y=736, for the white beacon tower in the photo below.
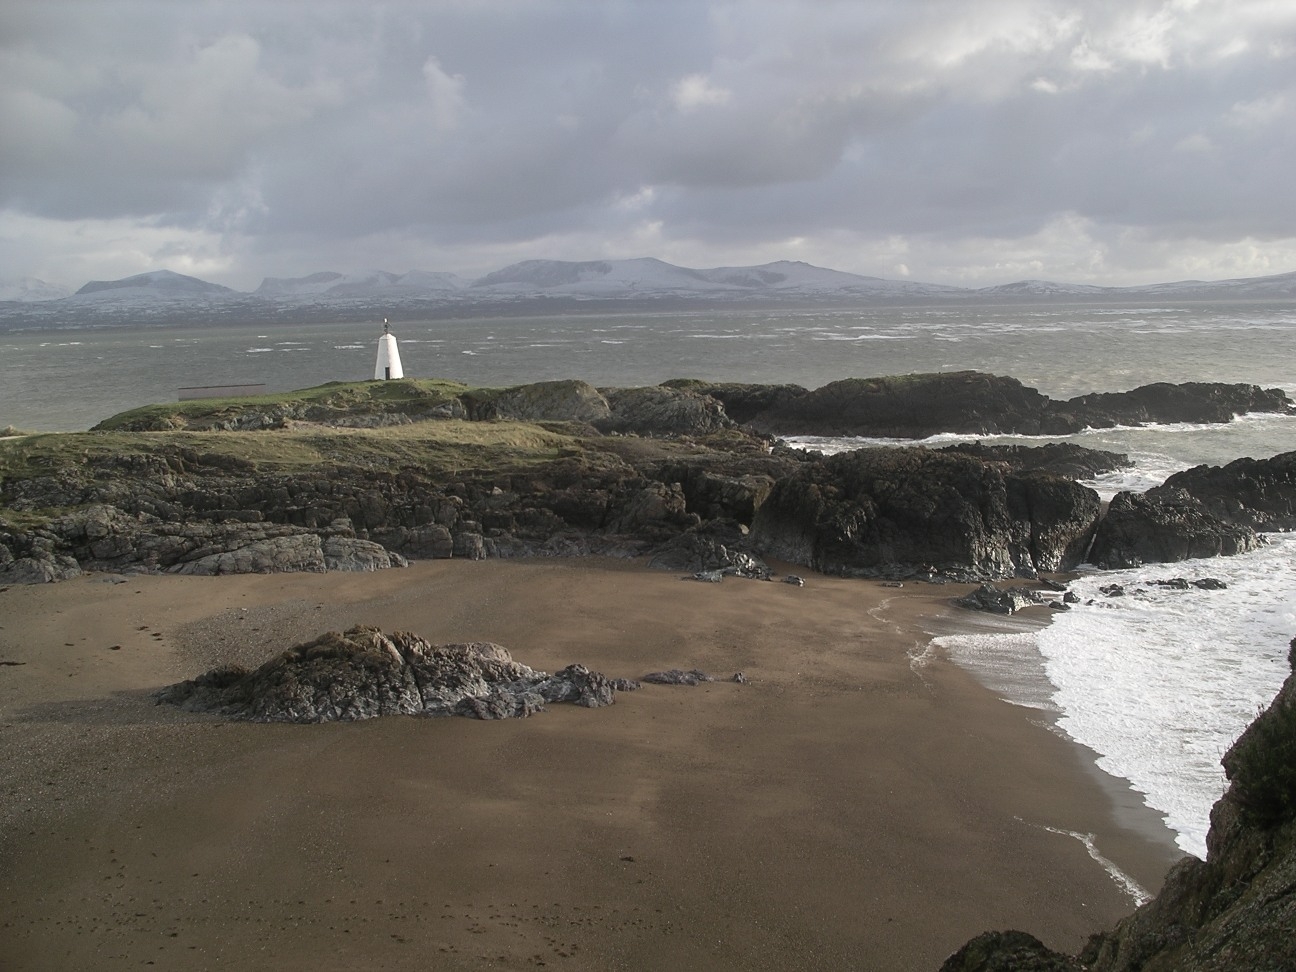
x=389, y=363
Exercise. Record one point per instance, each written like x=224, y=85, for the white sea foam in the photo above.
x=1161, y=681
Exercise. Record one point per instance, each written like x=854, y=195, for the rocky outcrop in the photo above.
x=623, y=472
x=661, y=411
x=1257, y=493
x=1004, y=600
x=1055, y=458
x=1236, y=910
x=699, y=553
x=909, y=406
x=553, y=401
x=1163, y=527
x=364, y=673
x=742, y=402
x=917, y=406
x=1161, y=403
x=887, y=512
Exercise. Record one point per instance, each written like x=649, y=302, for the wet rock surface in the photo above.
x=863, y=513
x=1164, y=526
x=1003, y=600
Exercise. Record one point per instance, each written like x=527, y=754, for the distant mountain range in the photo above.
x=162, y=295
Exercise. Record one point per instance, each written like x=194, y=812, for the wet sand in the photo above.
x=850, y=807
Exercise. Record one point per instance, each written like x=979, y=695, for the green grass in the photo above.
x=357, y=397
x=428, y=446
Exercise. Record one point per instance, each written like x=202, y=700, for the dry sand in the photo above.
x=847, y=809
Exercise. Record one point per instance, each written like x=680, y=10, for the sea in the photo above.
x=1158, y=682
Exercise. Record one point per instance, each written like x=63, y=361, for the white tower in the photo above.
x=389, y=363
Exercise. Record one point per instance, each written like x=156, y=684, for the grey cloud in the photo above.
x=729, y=125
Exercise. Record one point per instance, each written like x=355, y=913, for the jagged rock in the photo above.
x=706, y=556
x=908, y=406
x=1162, y=402
x=1001, y=600
x=295, y=552
x=558, y=401
x=1009, y=951
x=676, y=676
x=708, y=576
x=1257, y=493
x=1163, y=528
x=742, y=402
x=916, y=406
x=1055, y=458
x=469, y=546
x=863, y=513
x=348, y=553
x=44, y=568
x=365, y=673
x=661, y=411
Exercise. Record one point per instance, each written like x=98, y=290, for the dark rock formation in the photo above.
x=365, y=673
x=916, y=406
x=1234, y=911
x=662, y=411
x=554, y=401
x=909, y=406
x=699, y=553
x=1002, y=600
x=1258, y=493
x=1009, y=951
x=877, y=511
x=1162, y=402
x=1055, y=458
x=621, y=472
x=677, y=676
x=1167, y=526
x=741, y=402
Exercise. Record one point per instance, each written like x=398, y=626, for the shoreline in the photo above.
x=839, y=810
x=1134, y=818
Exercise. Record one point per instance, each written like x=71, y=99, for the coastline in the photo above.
x=841, y=810
x=1019, y=679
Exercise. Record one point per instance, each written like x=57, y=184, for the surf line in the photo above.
x=1123, y=881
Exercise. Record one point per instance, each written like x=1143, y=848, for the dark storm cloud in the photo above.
x=278, y=137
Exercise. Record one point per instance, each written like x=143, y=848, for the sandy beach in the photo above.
x=848, y=808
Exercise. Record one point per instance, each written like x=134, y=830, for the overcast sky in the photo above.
x=968, y=142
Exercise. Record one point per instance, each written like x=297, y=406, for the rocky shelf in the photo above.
x=369, y=475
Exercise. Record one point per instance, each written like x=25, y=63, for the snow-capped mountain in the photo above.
x=316, y=283
x=647, y=277
x=1043, y=288
x=162, y=296
x=29, y=289
x=1239, y=288
x=369, y=283
x=155, y=283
